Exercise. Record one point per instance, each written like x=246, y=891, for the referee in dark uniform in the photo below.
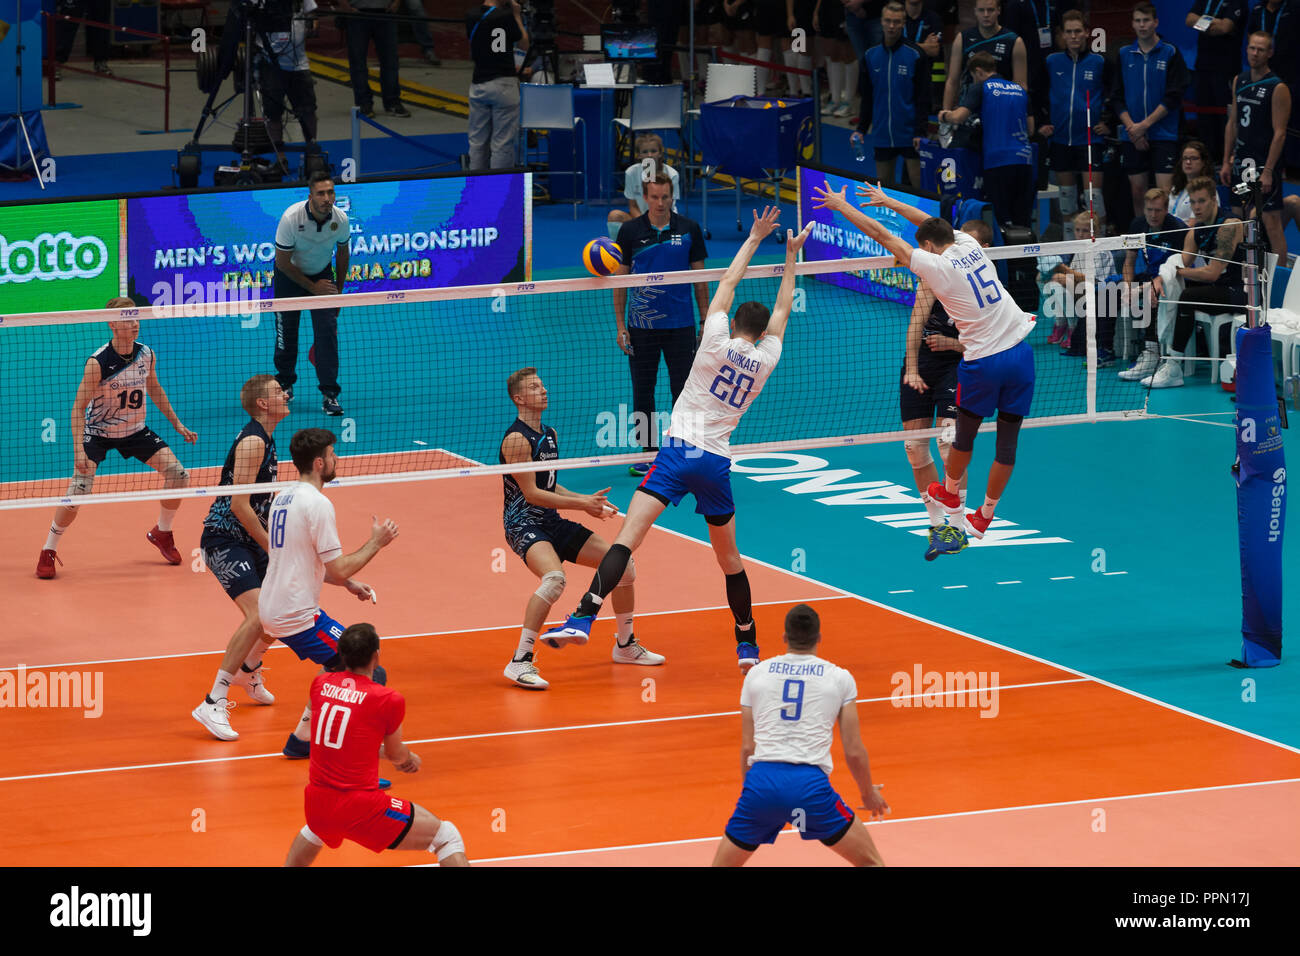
x=659, y=319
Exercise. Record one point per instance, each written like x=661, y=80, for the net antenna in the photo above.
x=1087, y=107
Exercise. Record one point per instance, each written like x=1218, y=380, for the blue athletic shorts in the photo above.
x=567, y=537
x=680, y=468
x=779, y=793
x=1001, y=382
x=238, y=567
x=319, y=643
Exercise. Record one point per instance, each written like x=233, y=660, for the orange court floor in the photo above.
x=614, y=764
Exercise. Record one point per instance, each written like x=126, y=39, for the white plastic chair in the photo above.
x=543, y=106
x=1215, y=321
x=654, y=108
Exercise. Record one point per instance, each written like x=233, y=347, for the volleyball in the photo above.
x=602, y=256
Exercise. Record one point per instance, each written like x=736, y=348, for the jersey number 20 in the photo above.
x=990, y=286
x=740, y=386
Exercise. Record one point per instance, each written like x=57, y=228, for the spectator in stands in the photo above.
x=494, y=30
x=1256, y=133
x=1165, y=235
x=1079, y=80
x=773, y=34
x=992, y=38
x=1038, y=23
x=1218, y=56
x=372, y=24
x=648, y=166
x=1003, y=110
x=287, y=76
x=96, y=37
x=1148, y=99
x=1281, y=19
x=1217, y=239
x=1074, y=278
x=659, y=319
x=738, y=27
x=862, y=23
x=895, y=86
x=1193, y=163
x=924, y=30
x=799, y=16
x=420, y=27
x=841, y=64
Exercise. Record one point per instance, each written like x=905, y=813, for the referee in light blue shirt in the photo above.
x=659, y=319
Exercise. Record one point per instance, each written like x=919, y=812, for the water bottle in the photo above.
x=859, y=147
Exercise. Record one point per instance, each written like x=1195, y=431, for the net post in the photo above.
x=1251, y=274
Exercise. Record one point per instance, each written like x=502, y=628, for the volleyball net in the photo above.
x=423, y=371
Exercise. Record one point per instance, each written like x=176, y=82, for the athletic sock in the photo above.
x=764, y=55
x=52, y=540
x=834, y=72
x=624, y=624
x=961, y=496
x=747, y=634
x=166, y=517
x=254, y=659
x=989, y=505
x=221, y=686
x=790, y=58
x=805, y=82
x=739, y=600
x=527, y=640
x=849, y=79
x=933, y=509
x=608, y=574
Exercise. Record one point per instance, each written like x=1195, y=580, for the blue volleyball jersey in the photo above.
x=221, y=517
x=517, y=512
x=1075, y=85
x=650, y=250
x=895, y=85
x=1254, y=100
x=1144, y=81
x=1003, y=108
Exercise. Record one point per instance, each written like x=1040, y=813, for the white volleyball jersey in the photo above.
x=796, y=700
x=303, y=540
x=117, y=407
x=726, y=377
x=311, y=242
x=962, y=278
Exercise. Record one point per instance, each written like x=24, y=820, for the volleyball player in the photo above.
x=343, y=799
x=727, y=375
x=996, y=373
x=234, y=547
x=304, y=553
x=929, y=390
x=108, y=415
x=789, y=707
x=536, y=532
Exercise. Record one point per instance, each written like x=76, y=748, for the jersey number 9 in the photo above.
x=792, y=694
x=990, y=287
x=740, y=386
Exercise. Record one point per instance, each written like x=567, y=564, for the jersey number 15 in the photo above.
x=992, y=293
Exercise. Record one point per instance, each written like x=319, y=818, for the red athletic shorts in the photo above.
x=370, y=817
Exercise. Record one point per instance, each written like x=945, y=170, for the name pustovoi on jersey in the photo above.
x=946, y=689
x=77, y=909
x=814, y=476
x=39, y=688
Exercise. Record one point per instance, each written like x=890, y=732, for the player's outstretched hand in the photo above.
x=188, y=435
x=829, y=199
x=382, y=533
x=410, y=765
x=874, y=803
x=598, y=506
x=874, y=196
x=765, y=224
x=793, y=242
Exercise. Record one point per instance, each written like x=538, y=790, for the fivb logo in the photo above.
x=51, y=256
x=77, y=909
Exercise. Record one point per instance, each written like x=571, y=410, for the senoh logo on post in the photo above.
x=49, y=256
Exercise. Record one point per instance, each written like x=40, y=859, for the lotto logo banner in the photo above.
x=412, y=234
x=58, y=256
x=834, y=237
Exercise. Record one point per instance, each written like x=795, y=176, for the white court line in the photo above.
x=902, y=592
x=1011, y=582
x=1065, y=577
x=954, y=587
x=899, y=820
x=398, y=637
x=526, y=731
x=1107, y=574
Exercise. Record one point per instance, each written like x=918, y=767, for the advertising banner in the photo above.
x=58, y=256
x=834, y=237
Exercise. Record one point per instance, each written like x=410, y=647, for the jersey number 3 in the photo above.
x=990, y=286
x=740, y=386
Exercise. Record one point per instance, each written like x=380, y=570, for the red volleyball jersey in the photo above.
x=351, y=715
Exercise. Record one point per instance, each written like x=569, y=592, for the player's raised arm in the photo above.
x=826, y=199
x=762, y=228
x=875, y=196
x=785, y=296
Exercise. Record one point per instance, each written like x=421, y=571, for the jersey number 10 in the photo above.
x=327, y=735
x=738, y=381
x=990, y=286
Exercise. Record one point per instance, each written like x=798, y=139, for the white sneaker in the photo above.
x=1168, y=375
x=524, y=673
x=634, y=653
x=1146, y=364
x=216, y=718
x=254, y=683
x=844, y=109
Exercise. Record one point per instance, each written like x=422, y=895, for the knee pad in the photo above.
x=176, y=477
x=629, y=574
x=1069, y=201
x=968, y=426
x=1008, y=434
x=447, y=841
x=310, y=837
x=80, y=485
x=552, y=586
x=918, y=452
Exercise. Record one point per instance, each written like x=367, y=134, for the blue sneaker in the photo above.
x=574, y=630
x=384, y=784
x=380, y=676
x=639, y=470
x=296, y=749
x=747, y=656
x=945, y=540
